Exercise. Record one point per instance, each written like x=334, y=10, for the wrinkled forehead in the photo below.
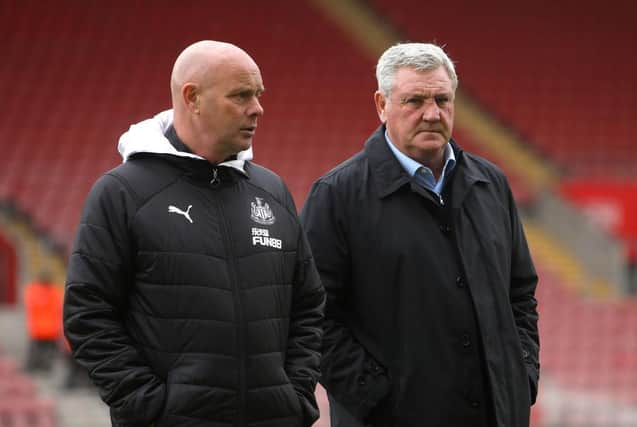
x=411, y=79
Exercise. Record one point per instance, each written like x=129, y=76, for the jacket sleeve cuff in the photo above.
x=143, y=409
x=309, y=410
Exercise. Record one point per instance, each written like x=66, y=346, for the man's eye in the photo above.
x=441, y=100
x=414, y=101
x=243, y=96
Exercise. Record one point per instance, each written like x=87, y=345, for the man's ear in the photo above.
x=381, y=103
x=190, y=95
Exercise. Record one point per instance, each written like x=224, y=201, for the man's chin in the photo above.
x=244, y=144
x=430, y=140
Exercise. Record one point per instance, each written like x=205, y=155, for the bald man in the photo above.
x=191, y=296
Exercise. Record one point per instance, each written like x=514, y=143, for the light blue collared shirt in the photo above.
x=422, y=174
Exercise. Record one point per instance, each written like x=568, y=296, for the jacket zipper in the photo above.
x=215, y=177
x=238, y=307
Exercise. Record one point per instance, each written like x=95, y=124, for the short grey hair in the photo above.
x=419, y=56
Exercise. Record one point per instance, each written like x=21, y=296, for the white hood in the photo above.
x=148, y=137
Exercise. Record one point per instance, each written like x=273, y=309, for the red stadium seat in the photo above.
x=16, y=386
x=21, y=412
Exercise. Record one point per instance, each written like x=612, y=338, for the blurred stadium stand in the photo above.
x=20, y=405
x=8, y=266
x=547, y=91
x=558, y=72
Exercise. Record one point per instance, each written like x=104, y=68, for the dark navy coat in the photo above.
x=430, y=316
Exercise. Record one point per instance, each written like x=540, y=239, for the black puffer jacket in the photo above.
x=195, y=303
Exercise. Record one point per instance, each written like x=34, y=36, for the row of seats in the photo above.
x=94, y=81
x=20, y=405
x=558, y=75
x=318, y=100
x=23, y=412
x=588, y=345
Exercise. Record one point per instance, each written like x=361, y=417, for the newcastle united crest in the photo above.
x=261, y=212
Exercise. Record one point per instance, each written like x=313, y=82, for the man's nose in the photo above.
x=431, y=111
x=255, y=108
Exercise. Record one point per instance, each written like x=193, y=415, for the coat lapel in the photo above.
x=466, y=175
x=388, y=174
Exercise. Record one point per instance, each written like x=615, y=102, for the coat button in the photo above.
x=460, y=282
x=475, y=403
x=525, y=354
x=445, y=228
x=466, y=341
x=361, y=381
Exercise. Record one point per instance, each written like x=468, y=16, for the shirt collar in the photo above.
x=411, y=166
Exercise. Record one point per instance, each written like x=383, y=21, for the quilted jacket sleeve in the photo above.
x=98, y=280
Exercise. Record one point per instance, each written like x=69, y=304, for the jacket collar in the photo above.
x=391, y=176
x=467, y=174
x=387, y=171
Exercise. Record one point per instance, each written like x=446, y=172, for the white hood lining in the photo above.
x=148, y=137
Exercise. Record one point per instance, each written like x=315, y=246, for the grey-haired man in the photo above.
x=431, y=316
